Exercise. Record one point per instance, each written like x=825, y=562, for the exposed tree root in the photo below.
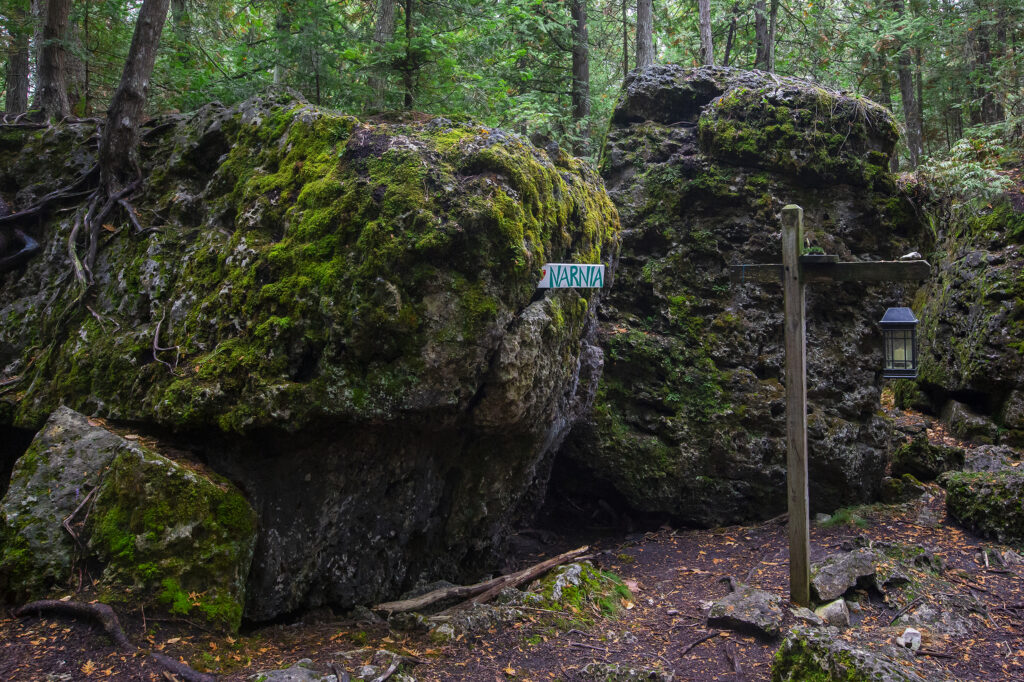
x=86, y=179
x=480, y=592
x=106, y=617
x=29, y=248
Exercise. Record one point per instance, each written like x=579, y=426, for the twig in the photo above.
x=734, y=661
x=908, y=607
x=67, y=521
x=157, y=347
x=581, y=645
x=339, y=674
x=700, y=640
x=395, y=662
x=930, y=652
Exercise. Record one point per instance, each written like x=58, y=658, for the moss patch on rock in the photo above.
x=174, y=538
x=989, y=503
x=925, y=461
x=583, y=591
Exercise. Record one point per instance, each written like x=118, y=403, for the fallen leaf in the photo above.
x=131, y=436
x=174, y=640
x=510, y=671
x=88, y=668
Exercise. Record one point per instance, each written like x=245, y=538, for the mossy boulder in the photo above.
x=991, y=503
x=925, y=461
x=812, y=654
x=689, y=419
x=971, y=334
x=340, y=315
x=168, y=536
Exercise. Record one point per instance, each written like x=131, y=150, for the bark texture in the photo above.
x=120, y=136
x=707, y=50
x=17, y=75
x=52, y=94
x=383, y=32
x=580, y=61
x=644, y=33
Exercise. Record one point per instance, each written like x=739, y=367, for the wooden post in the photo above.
x=796, y=407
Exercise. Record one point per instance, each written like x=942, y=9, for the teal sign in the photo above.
x=570, y=275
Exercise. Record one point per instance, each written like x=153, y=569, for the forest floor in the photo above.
x=674, y=575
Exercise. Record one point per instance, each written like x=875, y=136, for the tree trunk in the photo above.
x=644, y=33
x=625, y=40
x=707, y=50
x=580, y=60
x=908, y=93
x=51, y=98
x=17, y=65
x=408, y=73
x=761, y=34
x=772, y=23
x=118, y=148
x=732, y=32
x=383, y=32
x=282, y=31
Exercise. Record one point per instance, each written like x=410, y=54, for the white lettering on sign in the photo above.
x=569, y=275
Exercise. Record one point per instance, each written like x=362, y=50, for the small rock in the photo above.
x=822, y=518
x=913, y=255
x=968, y=424
x=749, y=610
x=804, y=614
x=672, y=612
x=443, y=633
x=620, y=672
x=834, y=613
x=408, y=621
x=990, y=458
x=832, y=577
x=297, y=673
x=910, y=639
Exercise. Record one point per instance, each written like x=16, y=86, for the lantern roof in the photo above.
x=899, y=316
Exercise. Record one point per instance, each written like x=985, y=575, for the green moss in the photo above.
x=583, y=591
x=170, y=536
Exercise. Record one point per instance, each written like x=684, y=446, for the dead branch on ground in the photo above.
x=479, y=592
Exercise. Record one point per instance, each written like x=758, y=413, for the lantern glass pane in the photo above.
x=899, y=349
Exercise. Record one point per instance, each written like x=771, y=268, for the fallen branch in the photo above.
x=906, y=608
x=395, y=662
x=930, y=652
x=483, y=589
x=105, y=616
x=700, y=640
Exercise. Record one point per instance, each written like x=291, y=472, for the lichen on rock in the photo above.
x=166, y=535
x=689, y=417
x=341, y=316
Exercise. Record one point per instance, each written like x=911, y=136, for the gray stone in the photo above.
x=910, y=639
x=804, y=614
x=948, y=614
x=834, y=613
x=62, y=466
x=622, y=672
x=968, y=424
x=301, y=671
x=990, y=458
x=820, y=653
x=832, y=577
x=750, y=610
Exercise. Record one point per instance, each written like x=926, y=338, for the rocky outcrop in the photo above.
x=689, y=419
x=972, y=326
x=167, y=535
x=749, y=610
x=339, y=315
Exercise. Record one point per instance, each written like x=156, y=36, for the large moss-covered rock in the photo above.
x=167, y=535
x=989, y=502
x=341, y=316
x=972, y=327
x=689, y=418
x=925, y=461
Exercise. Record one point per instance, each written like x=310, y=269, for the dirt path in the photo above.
x=674, y=575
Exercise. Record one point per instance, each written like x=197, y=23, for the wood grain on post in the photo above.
x=796, y=407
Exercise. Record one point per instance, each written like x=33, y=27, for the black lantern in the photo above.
x=899, y=329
